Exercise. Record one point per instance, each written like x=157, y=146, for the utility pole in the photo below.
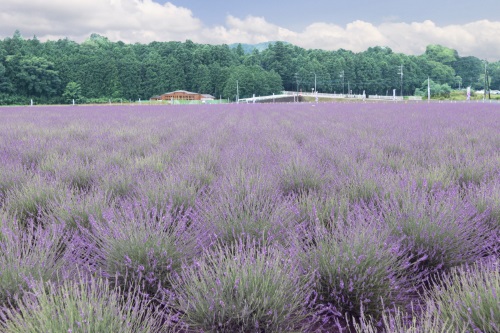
x=401, y=72
x=315, y=82
x=237, y=92
x=342, y=76
x=486, y=83
x=484, y=90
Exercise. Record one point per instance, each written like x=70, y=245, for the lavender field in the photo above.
x=343, y=217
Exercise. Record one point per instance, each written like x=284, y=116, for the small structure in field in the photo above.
x=182, y=95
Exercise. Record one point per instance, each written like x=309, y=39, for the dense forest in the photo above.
x=99, y=70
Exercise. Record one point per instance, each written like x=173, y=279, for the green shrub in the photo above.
x=51, y=162
x=203, y=169
x=154, y=162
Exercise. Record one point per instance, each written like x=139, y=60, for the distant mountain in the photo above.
x=248, y=48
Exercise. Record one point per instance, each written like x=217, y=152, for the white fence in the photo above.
x=350, y=96
x=262, y=98
x=386, y=98
x=323, y=95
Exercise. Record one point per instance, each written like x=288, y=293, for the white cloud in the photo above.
x=126, y=20
x=249, y=30
x=144, y=21
x=356, y=36
x=480, y=38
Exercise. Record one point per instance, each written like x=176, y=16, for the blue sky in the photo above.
x=472, y=28
x=293, y=14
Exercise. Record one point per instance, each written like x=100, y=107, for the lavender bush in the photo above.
x=32, y=199
x=119, y=183
x=12, y=176
x=468, y=298
x=486, y=198
x=464, y=301
x=85, y=305
x=360, y=265
x=399, y=321
x=244, y=205
x=134, y=244
x=440, y=229
x=28, y=253
x=298, y=176
x=75, y=209
x=244, y=287
x=202, y=170
x=79, y=175
x=169, y=191
x=323, y=207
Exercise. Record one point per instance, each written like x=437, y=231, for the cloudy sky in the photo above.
x=471, y=27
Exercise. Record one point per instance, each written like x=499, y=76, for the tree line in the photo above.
x=99, y=70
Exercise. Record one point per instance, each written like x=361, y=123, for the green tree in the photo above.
x=128, y=66
x=469, y=69
x=35, y=76
x=15, y=44
x=4, y=81
x=203, y=82
x=494, y=75
x=251, y=80
x=185, y=65
x=441, y=73
x=253, y=59
x=72, y=92
x=278, y=57
x=219, y=76
x=240, y=53
x=441, y=54
x=437, y=90
x=151, y=82
x=368, y=73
